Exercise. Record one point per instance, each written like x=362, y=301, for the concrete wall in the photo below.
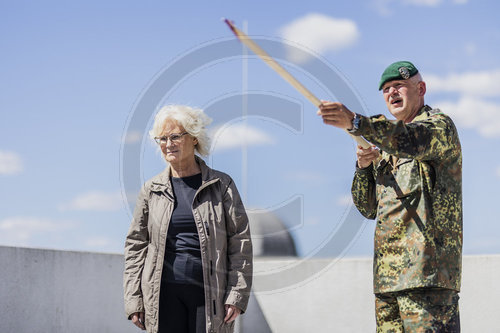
x=335, y=298
x=340, y=298
x=44, y=291
x=58, y=291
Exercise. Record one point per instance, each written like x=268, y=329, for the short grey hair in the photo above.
x=416, y=78
x=193, y=120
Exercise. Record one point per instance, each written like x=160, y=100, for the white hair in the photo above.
x=193, y=120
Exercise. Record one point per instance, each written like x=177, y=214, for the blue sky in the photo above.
x=72, y=74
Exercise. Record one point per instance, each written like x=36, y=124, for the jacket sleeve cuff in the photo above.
x=363, y=121
x=237, y=299
x=132, y=306
x=366, y=170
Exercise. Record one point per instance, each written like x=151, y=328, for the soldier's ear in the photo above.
x=421, y=88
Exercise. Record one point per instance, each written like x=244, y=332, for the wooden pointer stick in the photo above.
x=284, y=73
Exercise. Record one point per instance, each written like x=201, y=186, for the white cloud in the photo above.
x=18, y=231
x=239, y=135
x=10, y=163
x=344, y=200
x=132, y=137
x=481, y=83
x=477, y=106
x=320, y=33
x=474, y=113
x=386, y=7
x=95, y=201
x=425, y=3
x=382, y=7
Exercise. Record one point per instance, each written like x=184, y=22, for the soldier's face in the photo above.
x=404, y=98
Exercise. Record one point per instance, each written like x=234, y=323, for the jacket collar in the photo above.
x=161, y=182
x=422, y=114
x=386, y=157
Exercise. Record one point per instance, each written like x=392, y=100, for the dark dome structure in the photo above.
x=270, y=237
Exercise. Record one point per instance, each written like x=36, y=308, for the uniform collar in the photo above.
x=422, y=114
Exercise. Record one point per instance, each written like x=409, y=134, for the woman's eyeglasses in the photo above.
x=173, y=138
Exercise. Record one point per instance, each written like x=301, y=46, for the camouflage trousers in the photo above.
x=419, y=310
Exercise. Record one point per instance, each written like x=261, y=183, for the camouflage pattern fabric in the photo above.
x=421, y=311
x=415, y=192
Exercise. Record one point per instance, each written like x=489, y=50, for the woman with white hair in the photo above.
x=188, y=253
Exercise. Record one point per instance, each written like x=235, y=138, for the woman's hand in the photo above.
x=232, y=312
x=138, y=320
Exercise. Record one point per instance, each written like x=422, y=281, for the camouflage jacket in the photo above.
x=417, y=202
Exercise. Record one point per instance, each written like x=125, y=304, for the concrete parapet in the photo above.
x=62, y=291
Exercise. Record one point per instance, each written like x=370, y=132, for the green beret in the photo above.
x=400, y=70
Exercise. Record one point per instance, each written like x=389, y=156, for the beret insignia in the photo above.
x=405, y=73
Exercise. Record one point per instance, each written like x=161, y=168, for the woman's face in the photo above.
x=180, y=149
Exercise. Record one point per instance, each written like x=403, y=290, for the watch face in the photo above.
x=356, y=121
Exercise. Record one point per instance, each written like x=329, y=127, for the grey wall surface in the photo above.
x=58, y=291
x=340, y=298
x=44, y=291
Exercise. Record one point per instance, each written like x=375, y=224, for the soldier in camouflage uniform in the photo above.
x=411, y=182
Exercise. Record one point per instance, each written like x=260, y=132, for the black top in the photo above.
x=182, y=263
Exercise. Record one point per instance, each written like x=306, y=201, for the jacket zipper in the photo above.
x=206, y=228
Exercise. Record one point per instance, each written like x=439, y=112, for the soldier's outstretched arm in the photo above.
x=428, y=139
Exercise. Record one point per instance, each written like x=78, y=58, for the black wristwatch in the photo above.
x=355, y=123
